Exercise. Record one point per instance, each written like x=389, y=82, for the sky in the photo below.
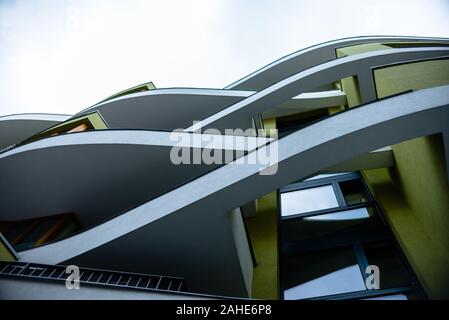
x=63, y=56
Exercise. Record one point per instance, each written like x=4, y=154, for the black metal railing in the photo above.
x=93, y=276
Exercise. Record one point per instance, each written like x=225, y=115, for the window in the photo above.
x=386, y=257
x=334, y=272
x=79, y=128
x=307, y=200
x=30, y=233
x=91, y=121
x=331, y=230
x=353, y=191
x=353, y=214
x=291, y=123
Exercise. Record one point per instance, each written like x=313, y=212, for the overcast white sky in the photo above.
x=63, y=56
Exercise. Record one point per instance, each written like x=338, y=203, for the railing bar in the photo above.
x=88, y=279
x=51, y=274
x=24, y=268
x=149, y=282
x=158, y=283
x=4, y=268
x=42, y=272
x=99, y=278
x=109, y=279
x=60, y=273
x=38, y=271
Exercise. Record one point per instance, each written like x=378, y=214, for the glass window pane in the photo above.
x=385, y=255
x=18, y=228
x=326, y=175
x=38, y=231
x=321, y=273
x=355, y=214
x=330, y=227
x=353, y=191
x=307, y=200
x=79, y=128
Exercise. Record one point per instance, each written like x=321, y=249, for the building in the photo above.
x=360, y=182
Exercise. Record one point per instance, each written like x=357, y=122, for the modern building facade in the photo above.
x=352, y=204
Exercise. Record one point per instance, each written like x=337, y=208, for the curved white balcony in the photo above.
x=18, y=127
x=185, y=225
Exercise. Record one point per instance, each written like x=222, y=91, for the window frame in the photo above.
x=356, y=244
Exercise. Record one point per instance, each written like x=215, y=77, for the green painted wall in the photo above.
x=415, y=194
x=414, y=76
x=350, y=85
x=425, y=250
x=263, y=233
x=139, y=88
x=360, y=48
x=5, y=253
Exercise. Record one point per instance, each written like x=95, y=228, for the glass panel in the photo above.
x=331, y=227
x=321, y=273
x=79, y=128
x=18, y=229
x=69, y=228
x=326, y=175
x=385, y=255
x=307, y=200
x=38, y=231
x=355, y=214
x=353, y=191
x=287, y=124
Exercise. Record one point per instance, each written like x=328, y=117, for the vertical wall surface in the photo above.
x=415, y=193
x=263, y=233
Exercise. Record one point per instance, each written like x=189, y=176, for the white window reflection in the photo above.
x=326, y=175
x=354, y=214
x=307, y=200
x=345, y=280
x=390, y=297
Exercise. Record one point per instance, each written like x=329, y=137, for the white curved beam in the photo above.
x=300, y=154
x=58, y=174
x=236, y=115
x=307, y=102
x=164, y=109
x=17, y=127
x=169, y=109
x=310, y=57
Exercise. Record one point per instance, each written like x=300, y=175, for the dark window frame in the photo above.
x=356, y=244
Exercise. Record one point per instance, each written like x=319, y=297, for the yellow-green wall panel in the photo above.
x=360, y=48
x=263, y=232
x=415, y=194
x=424, y=251
x=411, y=76
x=5, y=253
x=350, y=86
